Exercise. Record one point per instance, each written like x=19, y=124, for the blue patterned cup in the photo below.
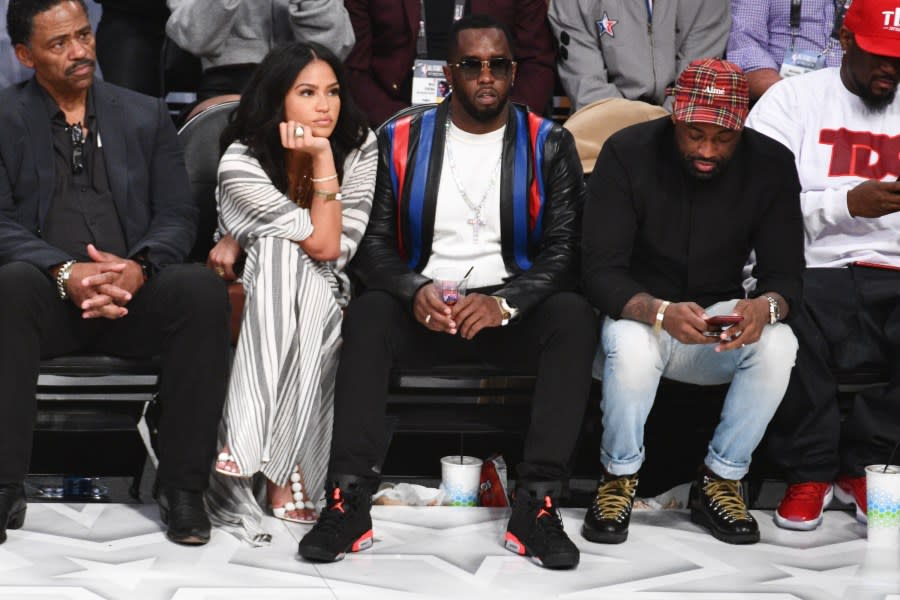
x=883, y=505
x=460, y=480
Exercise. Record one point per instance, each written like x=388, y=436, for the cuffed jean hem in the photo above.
x=724, y=468
x=628, y=466
x=635, y=359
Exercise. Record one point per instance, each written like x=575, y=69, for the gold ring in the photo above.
x=427, y=318
x=219, y=271
x=298, y=131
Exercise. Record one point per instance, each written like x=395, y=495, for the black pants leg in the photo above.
x=849, y=320
x=872, y=428
x=803, y=436
x=181, y=314
x=34, y=324
x=557, y=340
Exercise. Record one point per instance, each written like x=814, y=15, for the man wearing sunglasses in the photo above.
x=95, y=218
x=481, y=185
x=394, y=35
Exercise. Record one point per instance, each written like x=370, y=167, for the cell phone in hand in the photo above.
x=719, y=323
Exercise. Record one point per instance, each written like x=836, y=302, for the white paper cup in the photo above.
x=460, y=479
x=883, y=505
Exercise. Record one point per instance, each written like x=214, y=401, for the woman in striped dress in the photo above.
x=299, y=226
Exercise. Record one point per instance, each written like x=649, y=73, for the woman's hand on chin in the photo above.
x=306, y=141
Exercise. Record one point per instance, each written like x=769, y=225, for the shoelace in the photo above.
x=725, y=497
x=614, y=498
x=549, y=523
x=332, y=518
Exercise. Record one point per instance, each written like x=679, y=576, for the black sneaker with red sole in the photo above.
x=535, y=530
x=345, y=524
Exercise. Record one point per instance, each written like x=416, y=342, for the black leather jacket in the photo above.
x=552, y=261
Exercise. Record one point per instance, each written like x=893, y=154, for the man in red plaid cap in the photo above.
x=674, y=208
x=843, y=126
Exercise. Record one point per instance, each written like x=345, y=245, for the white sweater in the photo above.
x=837, y=144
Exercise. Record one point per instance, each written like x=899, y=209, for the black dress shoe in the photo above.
x=606, y=520
x=12, y=507
x=185, y=515
x=718, y=505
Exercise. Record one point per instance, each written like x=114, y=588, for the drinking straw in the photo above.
x=890, y=459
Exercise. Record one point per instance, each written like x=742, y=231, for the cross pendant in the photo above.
x=476, y=222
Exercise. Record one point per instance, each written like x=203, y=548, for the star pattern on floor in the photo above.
x=113, y=552
x=127, y=575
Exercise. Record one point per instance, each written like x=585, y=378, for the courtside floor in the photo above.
x=119, y=551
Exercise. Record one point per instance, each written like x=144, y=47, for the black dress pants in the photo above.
x=556, y=340
x=850, y=319
x=180, y=314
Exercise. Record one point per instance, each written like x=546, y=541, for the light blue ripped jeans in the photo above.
x=633, y=359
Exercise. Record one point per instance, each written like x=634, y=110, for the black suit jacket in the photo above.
x=144, y=165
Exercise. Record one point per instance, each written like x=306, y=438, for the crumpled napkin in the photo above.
x=677, y=497
x=408, y=494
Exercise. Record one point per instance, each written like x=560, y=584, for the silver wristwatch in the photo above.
x=774, y=310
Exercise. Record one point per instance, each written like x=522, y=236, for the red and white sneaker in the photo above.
x=852, y=490
x=802, y=506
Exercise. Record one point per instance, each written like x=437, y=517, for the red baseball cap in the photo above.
x=712, y=90
x=875, y=25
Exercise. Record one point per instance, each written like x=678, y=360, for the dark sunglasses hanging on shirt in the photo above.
x=77, y=134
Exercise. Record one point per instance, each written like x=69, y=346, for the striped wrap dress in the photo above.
x=278, y=410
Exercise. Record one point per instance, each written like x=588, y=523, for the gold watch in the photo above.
x=507, y=312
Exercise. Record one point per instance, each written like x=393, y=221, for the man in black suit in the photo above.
x=95, y=219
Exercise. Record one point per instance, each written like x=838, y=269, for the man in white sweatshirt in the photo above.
x=843, y=126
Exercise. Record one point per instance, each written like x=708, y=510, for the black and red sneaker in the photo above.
x=535, y=530
x=344, y=526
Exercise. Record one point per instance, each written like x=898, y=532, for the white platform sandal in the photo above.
x=301, y=503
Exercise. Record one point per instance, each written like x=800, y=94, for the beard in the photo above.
x=479, y=113
x=873, y=102
x=687, y=161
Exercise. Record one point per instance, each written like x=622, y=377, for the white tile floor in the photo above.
x=114, y=551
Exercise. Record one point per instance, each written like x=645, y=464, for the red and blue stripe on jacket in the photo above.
x=528, y=195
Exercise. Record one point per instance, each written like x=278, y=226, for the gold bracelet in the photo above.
x=323, y=179
x=657, y=325
x=329, y=195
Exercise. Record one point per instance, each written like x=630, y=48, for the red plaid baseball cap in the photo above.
x=875, y=25
x=711, y=90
